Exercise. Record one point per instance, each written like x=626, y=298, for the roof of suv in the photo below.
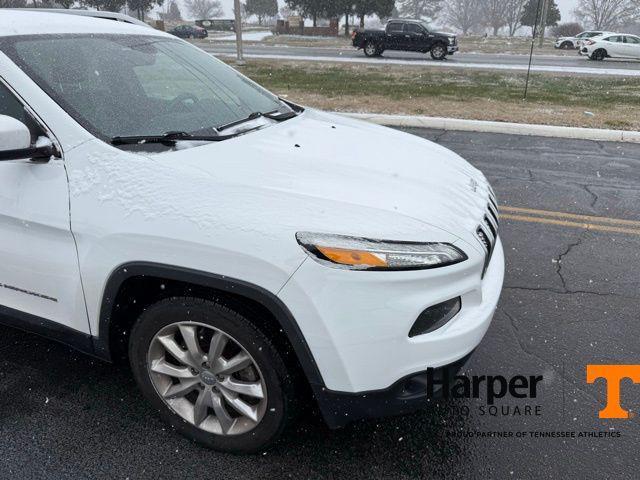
x=17, y=22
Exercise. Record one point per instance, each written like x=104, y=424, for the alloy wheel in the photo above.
x=205, y=376
x=438, y=52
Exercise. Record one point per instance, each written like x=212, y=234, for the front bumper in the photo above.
x=357, y=323
x=404, y=396
x=451, y=49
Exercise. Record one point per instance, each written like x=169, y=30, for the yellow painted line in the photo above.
x=569, y=216
x=568, y=223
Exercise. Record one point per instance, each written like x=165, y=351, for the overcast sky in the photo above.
x=566, y=8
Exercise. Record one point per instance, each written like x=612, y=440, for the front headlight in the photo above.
x=452, y=40
x=356, y=253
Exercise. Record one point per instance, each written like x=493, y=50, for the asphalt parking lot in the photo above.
x=570, y=299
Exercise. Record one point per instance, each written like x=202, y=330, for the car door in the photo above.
x=39, y=274
x=632, y=46
x=396, y=36
x=415, y=37
x=614, y=45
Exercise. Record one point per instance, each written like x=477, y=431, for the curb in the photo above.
x=440, y=123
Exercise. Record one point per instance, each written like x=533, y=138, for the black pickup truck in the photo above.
x=409, y=35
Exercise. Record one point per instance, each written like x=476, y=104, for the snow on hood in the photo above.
x=324, y=157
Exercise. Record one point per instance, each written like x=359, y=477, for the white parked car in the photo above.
x=238, y=249
x=567, y=43
x=612, y=46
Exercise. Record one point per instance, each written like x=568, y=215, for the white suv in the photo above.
x=238, y=249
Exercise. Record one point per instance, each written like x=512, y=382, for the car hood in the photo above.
x=445, y=34
x=331, y=158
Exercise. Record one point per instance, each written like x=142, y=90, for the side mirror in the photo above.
x=15, y=142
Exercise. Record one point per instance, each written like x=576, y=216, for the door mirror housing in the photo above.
x=15, y=142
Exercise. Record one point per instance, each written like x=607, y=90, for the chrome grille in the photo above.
x=487, y=231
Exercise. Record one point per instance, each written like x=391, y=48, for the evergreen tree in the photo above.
x=262, y=9
x=533, y=10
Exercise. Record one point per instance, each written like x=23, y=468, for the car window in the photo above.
x=395, y=27
x=592, y=34
x=122, y=85
x=10, y=105
x=631, y=39
x=413, y=28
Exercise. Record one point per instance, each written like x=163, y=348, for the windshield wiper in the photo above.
x=280, y=116
x=170, y=138
x=274, y=115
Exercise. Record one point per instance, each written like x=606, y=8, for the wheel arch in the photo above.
x=133, y=286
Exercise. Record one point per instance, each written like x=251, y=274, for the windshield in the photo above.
x=123, y=85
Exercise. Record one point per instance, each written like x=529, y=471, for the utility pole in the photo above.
x=543, y=21
x=236, y=7
x=533, y=41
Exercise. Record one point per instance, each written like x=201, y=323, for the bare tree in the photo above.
x=13, y=3
x=203, y=9
x=608, y=14
x=463, y=15
x=493, y=12
x=513, y=10
x=419, y=8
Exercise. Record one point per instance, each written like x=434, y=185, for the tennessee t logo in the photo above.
x=613, y=375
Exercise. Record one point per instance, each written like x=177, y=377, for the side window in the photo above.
x=412, y=28
x=10, y=105
x=631, y=39
x=395, y=28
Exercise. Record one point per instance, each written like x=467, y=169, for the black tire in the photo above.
x=438, y=51
x=281, y=393
x=598, y=55
x=566, y=45
x=371, y=49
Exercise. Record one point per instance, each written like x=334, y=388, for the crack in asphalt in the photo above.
x=594, y=196
x=439, y=136
x=558, y=263
x=587, y=187
x=570, y=292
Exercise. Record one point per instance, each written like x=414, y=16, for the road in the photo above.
x=570, y=299
x=504, y=62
